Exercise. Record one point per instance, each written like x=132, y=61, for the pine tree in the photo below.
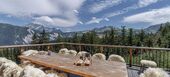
x=130, y=37
x=75, y=38
x=159, y=42
x=164, y=31
x=149, y=42
x=168, y=41
x=112, y=36
x=84, y=38
x=93, y=39
x=161, y=27
x=142, y=36
x=34, y=38
x=105, y=39
x=44, y=37
x=123, y=36
x=59, y=38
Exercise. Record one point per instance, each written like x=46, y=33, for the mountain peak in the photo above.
x=35, y=26
x=153, y=28
x=40, y=27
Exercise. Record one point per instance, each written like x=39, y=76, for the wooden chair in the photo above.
x=154, y=72
x=82, y=53
x=73, y=52
x=147, y=63
x=115, y=57
x=63, y=51
x=99, y=56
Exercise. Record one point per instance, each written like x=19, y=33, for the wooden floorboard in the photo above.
x=134, y=71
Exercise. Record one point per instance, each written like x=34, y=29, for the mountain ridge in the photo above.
x=13, y=34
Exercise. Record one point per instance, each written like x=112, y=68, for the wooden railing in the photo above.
x=131, y=54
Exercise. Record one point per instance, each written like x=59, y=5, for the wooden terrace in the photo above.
x=131, y=54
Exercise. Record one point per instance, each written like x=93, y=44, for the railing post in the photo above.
x=101, y=49
x=136, y=54
x=71, y=46
x=79, y=47
x=62, y=45
x=130, y=60
x=48, y=47
x=22, y=50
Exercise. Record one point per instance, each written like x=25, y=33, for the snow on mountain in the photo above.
x=38, y=28
x=53, y=36
x=11, y=34
x=27, y=39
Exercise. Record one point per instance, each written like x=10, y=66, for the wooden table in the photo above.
x=65, y=64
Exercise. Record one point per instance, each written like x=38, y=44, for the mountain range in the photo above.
x=12, y=34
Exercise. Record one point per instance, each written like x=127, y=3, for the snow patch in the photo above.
x=28, y=39
x=53, y=36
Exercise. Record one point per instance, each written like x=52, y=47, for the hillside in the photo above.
x=153, y=28
x=11, y=34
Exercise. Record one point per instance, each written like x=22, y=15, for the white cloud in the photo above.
x=106, y=19
x=80, y=22
x=140, y=4
x=61, y=13
x=65, y=22
x=68, y=4
x=156, y=16
x=94, y=20
x=99, y=6
x=144, y=3
x=44, y=20
x=56, y=21
x=27, y=8
x=76, y=11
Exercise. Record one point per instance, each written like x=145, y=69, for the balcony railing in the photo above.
x=131, y=54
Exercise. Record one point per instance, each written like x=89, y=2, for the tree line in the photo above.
x=124, y=36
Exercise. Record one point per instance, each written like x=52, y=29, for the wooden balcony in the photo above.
x=131, y=54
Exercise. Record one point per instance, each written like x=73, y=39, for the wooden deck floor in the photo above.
x=134, y=71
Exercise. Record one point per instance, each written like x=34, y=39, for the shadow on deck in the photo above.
x=134, y=71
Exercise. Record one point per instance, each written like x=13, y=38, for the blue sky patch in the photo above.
x=77, y=15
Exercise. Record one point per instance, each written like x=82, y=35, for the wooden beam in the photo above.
x=130, y=56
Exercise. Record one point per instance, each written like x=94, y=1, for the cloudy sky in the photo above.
x=76, y=15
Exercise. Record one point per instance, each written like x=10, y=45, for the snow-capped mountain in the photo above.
x=153, y=28
x=38, y=28
x=11, y=34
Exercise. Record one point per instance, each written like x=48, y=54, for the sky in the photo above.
x=78, y=15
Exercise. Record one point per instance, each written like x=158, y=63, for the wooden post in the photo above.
x=71, y=46
x=101, y=49
x=136, y=54
x=22, y=50
x=79, y=47
x=48, y=47
x=62, y=45
x=130, y=60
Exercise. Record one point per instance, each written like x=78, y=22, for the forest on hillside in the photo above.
x=124, y=36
